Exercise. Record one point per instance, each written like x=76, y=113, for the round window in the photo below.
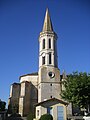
x=51, y=74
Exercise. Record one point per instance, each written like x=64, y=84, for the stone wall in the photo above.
x=13, y=102
x=28, y=98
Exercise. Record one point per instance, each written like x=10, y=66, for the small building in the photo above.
x=55, y=107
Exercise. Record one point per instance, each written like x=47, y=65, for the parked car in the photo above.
x=87, y=117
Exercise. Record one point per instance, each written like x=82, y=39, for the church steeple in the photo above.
x=48, y=41
x=49, y=74
x=47, y=26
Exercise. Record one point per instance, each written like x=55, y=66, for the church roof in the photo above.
x=16, y=83
x=31, y=74
x=55, y=100
x=47, y=26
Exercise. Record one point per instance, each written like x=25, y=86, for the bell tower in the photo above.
x=47, y=42
x=49, y=74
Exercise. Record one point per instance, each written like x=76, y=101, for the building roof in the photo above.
x=15, y=83
x=55, y=100
x=47, y=26
x=31, y=74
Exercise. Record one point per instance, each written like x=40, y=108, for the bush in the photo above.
x=15, y=115
x=46, y=117
x=30, y=116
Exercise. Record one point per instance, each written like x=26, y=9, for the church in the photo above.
x=39, y=92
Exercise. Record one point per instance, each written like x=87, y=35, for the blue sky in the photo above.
x=21, y=22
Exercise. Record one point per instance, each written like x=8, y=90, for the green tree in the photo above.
x=77, y=89
x=2, y=105
x=46, y=117
x=30, y=116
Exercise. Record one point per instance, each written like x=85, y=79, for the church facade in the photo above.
x=39, y=92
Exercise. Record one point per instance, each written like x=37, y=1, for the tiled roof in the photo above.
x=16, y=84
x=31, y=74
x=52, y=100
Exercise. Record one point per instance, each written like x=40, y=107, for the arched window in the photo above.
x=43, y=45
x=49, y=43
x=51, y=96
x=43, y=60
x=37, y=112
x=50, y=58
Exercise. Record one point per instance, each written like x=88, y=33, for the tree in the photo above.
x=46, y=117
x=30, y=116
x=2, y=105
x=77, y=89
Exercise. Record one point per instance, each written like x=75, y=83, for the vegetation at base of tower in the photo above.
x=30, y=116
x=2, y=105
x=14, y=116
x=77, y=89
x=46, y=117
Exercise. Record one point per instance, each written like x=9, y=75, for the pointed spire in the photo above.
x=47, y=22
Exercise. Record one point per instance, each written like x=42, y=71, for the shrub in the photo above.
x=46, y=117
x=15, y=115
x=30, y=116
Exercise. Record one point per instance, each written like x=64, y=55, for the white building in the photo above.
x=42, y=89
